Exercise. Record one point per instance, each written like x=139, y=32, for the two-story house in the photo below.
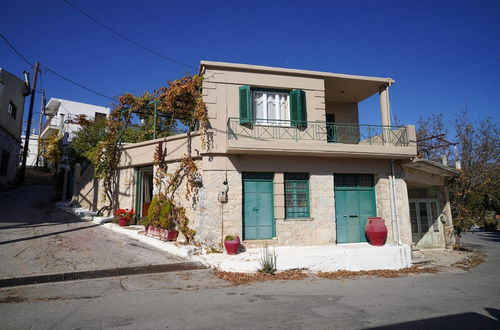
x=297, y=164
x=12, y=93
x=60, y=113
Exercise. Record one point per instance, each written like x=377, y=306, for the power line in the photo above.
x=126, y=38
x=15, y=50
x=77, y=84
x=47, y=69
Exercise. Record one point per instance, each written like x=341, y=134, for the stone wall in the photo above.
x=12, y=146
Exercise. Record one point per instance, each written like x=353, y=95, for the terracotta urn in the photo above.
x=376, y=231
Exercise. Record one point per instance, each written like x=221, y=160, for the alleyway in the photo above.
x=36, y=238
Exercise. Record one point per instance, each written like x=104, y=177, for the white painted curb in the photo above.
x=184, y=251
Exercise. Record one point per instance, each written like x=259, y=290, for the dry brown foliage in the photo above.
x=387, y=273
x=242, y=278
x=473, y=260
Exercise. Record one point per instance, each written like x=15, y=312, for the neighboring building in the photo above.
x=32, y=157
x=12, y=94
x=59, y=114
x=297, y=163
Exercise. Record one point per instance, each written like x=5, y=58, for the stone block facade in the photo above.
x=10, y=148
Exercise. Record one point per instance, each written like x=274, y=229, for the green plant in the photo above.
x=161, y=212
x=267, y=261
x=229, y=238
x=146, y=221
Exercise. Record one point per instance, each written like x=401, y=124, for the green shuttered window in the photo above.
x=245, y=105
x=297, y=195
x=298, y=111
x=272, y=107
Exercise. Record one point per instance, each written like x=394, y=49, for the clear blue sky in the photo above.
x=442, y=54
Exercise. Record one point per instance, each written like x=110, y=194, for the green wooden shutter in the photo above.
x=245, y=105
x=298, y=111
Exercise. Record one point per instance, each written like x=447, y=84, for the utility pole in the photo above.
x=40, y=119
x=28, y=125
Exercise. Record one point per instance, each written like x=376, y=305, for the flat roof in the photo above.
x=261, y=68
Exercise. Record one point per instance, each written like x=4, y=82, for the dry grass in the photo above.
x=476, y=258
x=387, y=273
x=242, y=278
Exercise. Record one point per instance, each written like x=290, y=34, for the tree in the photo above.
x=475, y=192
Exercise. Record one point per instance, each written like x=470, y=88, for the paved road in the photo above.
x=37, y=239
x=198, y=300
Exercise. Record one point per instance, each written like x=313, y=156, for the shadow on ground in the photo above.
x=456, y=321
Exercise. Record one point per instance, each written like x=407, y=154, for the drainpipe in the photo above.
x=394, y=210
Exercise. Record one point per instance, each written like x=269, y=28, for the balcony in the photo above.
x=50, y=126
x=320, y=138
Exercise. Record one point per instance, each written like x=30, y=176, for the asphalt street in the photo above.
x=455, y=299
x=36, y=238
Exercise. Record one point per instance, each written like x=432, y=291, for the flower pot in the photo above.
x=376, y=231
x=123, y=222
x=153, y=231
x=232, y=246
x=171, y=235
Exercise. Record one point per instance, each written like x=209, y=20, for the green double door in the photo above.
x=354, y=204
x=258, y=206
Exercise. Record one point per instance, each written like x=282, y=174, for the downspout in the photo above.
x=394, y=210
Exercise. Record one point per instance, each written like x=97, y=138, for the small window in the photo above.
x=4, y=162
x=100, y=116
x=12, y=110
x=297, y=195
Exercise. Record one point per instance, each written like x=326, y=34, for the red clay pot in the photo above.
x=232, y=246
x=171, y=235
x=123, y=222
x=376, y=231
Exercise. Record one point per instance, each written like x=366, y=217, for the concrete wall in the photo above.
x=344, y=112
x=12, y=89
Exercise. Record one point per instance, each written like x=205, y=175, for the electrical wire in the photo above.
x=15, y=50
x=47, y=69
x=128, y=39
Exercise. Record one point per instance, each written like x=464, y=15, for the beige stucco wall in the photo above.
x=221, y=95
x=344, y=112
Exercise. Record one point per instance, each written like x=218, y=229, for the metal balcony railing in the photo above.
x=262, y=129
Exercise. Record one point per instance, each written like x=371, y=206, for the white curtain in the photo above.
x=270, y=107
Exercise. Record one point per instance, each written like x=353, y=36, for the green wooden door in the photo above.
x=258, y=206
x=354, y=204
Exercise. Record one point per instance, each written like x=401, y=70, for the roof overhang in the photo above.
x=52, y=107
x=431, y=167
x=338, y=86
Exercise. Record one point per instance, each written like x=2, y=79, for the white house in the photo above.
x=59, y=114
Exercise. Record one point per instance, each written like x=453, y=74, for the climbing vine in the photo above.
x=179, y=109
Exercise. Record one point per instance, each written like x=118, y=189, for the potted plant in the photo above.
x=231, y=243
x=124, y=216
x=162, y=218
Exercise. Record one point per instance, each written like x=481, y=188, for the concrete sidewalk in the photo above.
x=359, y=256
